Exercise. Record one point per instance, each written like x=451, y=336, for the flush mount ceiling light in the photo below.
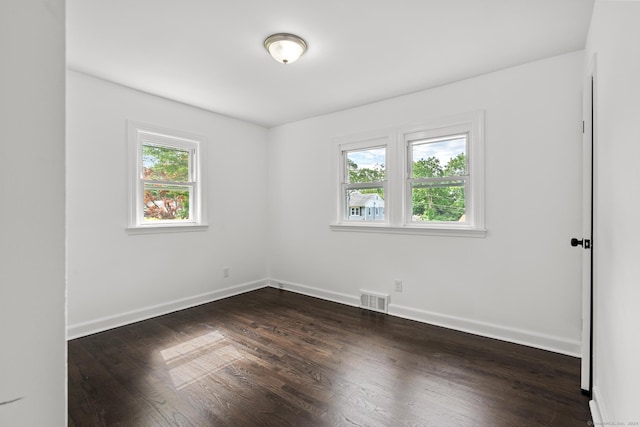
x=285, y=48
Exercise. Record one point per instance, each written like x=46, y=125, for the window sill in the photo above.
x=424, y=231
x=161, y=229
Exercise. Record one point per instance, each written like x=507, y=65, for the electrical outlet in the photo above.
x=280, y=285
x=225, y=272
x=398, y=284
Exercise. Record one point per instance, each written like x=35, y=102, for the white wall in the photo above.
x=521, y=282
x=114, y=277
x=614, y=37
x=32, y=269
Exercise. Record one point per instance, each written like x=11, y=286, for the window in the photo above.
x=437, y=179
x=427, y=178
x=166, y=179
x=363, y=181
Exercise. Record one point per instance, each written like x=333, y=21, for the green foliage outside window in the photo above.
x=165, y=198
x=444, y=200
x=441, y=201
x=375, y=174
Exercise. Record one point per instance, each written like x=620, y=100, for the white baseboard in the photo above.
x=598, y=412
x=102, y=324
x=490, y=330
x=504, y=333
x=341, y=298
x=518, y=336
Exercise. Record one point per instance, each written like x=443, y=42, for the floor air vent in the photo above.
x=374, y=301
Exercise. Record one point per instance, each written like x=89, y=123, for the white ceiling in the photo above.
x=209, y=53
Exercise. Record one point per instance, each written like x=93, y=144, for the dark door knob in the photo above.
x=586, y=243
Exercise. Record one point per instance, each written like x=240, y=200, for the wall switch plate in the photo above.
x=398, y=285
x=225, y=272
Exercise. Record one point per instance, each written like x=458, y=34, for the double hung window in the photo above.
x=427, y=178
x=166, y=182
x=364, y=182
x=437, y=178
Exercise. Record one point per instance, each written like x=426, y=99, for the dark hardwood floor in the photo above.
x=276, y=358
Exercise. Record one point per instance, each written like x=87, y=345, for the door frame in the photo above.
x=588, y=219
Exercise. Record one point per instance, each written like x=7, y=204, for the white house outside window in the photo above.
x=166, y=179
x=364, y=181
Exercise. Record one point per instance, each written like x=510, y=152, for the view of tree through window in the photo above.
x=438, y=181
x=366, y=165
x=166, y=180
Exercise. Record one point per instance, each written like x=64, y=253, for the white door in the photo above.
x=585, y=241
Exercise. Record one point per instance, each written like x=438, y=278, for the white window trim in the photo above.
x=397, y=195
x=139, y=133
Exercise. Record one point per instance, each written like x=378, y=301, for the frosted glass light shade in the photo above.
x=285, y=48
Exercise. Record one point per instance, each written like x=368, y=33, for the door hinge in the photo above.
x=583, y=126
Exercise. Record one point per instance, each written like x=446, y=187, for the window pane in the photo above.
x=166, y=202
x=442, y=201
x=364, y=204
x=366, y=165
x=165, y=163
x=440, y=157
